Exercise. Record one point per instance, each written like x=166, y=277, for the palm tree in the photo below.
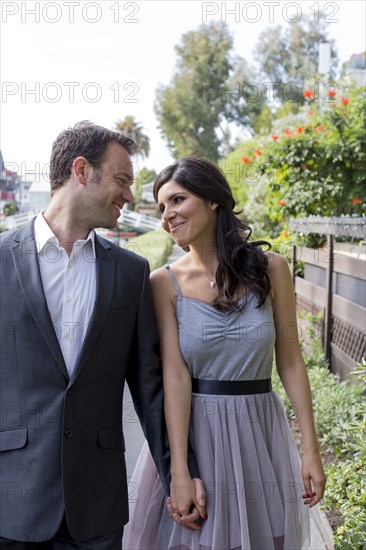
x=134, y=130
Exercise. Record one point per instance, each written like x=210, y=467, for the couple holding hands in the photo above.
x=195, y=342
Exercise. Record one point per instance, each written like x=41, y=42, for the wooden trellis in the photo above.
x=343, y=324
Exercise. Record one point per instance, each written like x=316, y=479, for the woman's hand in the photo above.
x=314, y=478
x=197, y=508
x=183, y=494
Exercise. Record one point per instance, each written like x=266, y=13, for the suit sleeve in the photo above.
x=145, y=380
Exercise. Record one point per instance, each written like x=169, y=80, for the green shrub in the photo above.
x=347, y=483
x=340, y=417
x=10, y=208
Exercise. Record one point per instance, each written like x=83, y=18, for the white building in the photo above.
x=355, y=68
x=147, y=192
x=39, y=192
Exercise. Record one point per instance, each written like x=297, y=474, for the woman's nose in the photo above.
x=168, y=214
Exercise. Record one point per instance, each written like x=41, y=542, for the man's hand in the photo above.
x=197, y=513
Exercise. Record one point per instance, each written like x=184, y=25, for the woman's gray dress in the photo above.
x=243, y=444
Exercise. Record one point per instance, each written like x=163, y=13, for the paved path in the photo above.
x=321, y=532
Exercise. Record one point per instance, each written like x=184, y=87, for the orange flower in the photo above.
x=299, y=130
x=356, y=200
x=331, y=93
x=274, y=137
x=285, y=233
x=258, y=153
x=309, y=94
x=310, y=113
x=246, y=160
x=288, y=132
x=344, y=100
x=281, y=202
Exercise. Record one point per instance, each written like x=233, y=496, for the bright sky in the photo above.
x=65, y=61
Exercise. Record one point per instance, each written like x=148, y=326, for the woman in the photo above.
x=223, y=309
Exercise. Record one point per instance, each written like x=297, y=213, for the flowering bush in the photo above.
x=239, y=168
x=317, y=166
x=312, y=162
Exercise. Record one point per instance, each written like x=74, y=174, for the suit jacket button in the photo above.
x=69, y=434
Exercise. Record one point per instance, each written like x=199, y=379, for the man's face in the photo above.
x=110, y=188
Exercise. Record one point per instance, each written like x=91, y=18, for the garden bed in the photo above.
x=340, y=417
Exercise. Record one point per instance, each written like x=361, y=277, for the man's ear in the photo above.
x=79, y=169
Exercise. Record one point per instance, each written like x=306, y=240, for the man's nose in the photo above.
x=127, y=195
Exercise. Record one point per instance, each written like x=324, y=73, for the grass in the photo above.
x=155, y=246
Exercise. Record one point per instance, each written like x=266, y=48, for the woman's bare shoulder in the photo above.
x=178, y=267
x=159, y=274
x=276, y=263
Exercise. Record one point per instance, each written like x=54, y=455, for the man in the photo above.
x=76, y=322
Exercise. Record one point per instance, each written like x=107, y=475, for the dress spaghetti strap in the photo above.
x=174, y=280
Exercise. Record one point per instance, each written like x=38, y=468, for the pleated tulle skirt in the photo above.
x=251, y=469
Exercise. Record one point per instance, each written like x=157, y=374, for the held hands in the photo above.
x=187, y=502
x=313, y=477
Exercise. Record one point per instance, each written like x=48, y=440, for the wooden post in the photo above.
x=294, y=258
x=328, y=311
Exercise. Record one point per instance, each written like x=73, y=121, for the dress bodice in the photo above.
x=230, y=345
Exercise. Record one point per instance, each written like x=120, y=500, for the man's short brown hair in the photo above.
x=87, y=140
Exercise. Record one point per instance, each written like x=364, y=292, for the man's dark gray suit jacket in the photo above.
x=61, y=439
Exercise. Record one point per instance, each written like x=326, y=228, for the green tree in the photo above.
x=245, y=102
x=10, y=208
x=208, y=92
x=288, y=56
x=134, y=130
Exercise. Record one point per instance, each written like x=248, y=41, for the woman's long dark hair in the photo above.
x=242, y=263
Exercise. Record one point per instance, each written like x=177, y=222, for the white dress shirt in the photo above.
x=69, y=285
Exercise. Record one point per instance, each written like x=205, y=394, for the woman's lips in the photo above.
x=174, y=228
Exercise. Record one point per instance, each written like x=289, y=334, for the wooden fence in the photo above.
x=334, y=283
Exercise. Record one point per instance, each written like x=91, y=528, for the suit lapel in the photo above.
x=105, y=280
x=26, y=263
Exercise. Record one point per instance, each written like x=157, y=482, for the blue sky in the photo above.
x=65, y=61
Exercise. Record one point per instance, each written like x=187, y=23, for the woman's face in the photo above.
x=187, y=218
